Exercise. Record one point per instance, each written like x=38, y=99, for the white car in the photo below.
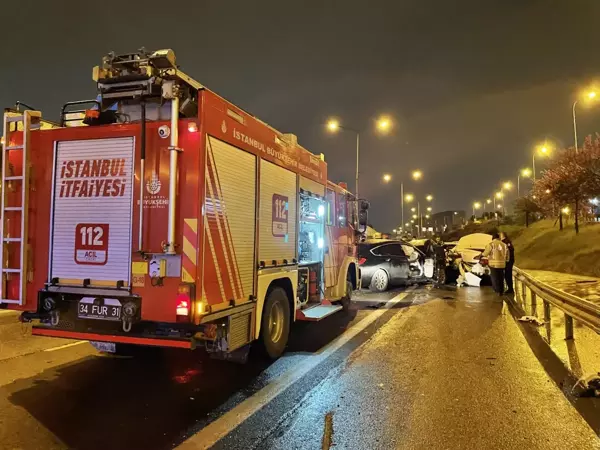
x=471, y=246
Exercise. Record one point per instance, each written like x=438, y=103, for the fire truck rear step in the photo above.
x=316, y=313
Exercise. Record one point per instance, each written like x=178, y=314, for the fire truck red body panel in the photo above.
x=247, y=197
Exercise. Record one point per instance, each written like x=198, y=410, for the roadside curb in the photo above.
x=9, y=317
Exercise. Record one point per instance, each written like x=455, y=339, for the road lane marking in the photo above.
x=60, y=347
x=222, y=426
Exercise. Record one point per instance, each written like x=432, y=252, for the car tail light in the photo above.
x=192, y=127
x=361, y=261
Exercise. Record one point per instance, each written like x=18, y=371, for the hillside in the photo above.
x=542, y=246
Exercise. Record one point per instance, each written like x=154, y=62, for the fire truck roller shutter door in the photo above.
x=231, y=188
x=92, y=205
x=277, y=234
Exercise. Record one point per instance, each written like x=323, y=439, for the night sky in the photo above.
x=471, y=84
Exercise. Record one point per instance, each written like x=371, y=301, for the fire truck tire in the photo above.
x=347, y=298
x=380, y=281
x=275, y=324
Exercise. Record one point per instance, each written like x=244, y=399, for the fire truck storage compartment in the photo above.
x=92, y=211
x=230, y=209
x=277, y=233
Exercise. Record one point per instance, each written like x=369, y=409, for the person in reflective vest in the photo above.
x=497, y=254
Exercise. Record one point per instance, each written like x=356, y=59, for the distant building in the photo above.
x=447, y=220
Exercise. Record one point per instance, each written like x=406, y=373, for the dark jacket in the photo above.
x=511, y=250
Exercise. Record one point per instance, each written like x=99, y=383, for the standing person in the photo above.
x=509, y=265
x=497, y=254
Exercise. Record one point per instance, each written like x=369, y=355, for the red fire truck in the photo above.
x=169, y=217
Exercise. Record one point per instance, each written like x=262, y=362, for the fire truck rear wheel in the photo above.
x=275, y=323
x=347, y=298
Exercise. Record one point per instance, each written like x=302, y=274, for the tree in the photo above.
x=525, y=206
x=571, y=180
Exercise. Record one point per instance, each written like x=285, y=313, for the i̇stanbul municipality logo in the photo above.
x=153, y=185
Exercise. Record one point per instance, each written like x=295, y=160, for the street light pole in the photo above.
x=420, y=218
x=575, y=125
x=402, y=199
x=519, y=186
x=357, y=160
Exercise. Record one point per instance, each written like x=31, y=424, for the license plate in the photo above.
x=107, y=347
x=108, y=309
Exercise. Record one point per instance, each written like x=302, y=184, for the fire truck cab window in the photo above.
x=311, y=234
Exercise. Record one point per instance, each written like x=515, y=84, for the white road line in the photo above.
x=218, y=429
x=60, y=347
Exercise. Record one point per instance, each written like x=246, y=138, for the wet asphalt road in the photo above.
x=432, y=369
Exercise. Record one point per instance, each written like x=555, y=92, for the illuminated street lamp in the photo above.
x=413, y=209
x=476, y=205
x=414, y=216
x=525, y=173
x=589, y=96
x=429, y=209
x=429, y=198
x=507, y=185
x=566, y=210
x=384, y=123
x=407, y=224
x=427, y=216
x=333, y=125
x=541, y=150
x=416, y=175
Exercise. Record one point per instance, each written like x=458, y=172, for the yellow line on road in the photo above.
x=72, y=344
x=221, y=427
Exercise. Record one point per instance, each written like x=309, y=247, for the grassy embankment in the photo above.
x=543, y=246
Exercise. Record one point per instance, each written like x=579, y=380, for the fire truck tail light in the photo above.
x=183, y=300
x=193, y=127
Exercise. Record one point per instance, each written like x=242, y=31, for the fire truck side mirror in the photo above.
x=363, y=218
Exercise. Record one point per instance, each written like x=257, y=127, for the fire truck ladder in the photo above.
x=16, y=122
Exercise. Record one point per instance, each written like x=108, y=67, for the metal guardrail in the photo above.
x=572, y=306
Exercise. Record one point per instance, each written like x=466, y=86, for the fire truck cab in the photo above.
x=161, y=214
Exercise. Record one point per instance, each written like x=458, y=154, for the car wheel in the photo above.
x=275, y=324
x=380, y=281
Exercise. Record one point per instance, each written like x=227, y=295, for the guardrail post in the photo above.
x=533, y=304
x=546, y=311
x=524, y=294
x=568, y=327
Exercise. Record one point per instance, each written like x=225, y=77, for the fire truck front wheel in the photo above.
x=275, y=323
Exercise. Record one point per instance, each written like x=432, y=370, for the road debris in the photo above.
x=327, y=440
x=588, y=386
x=531, y=319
